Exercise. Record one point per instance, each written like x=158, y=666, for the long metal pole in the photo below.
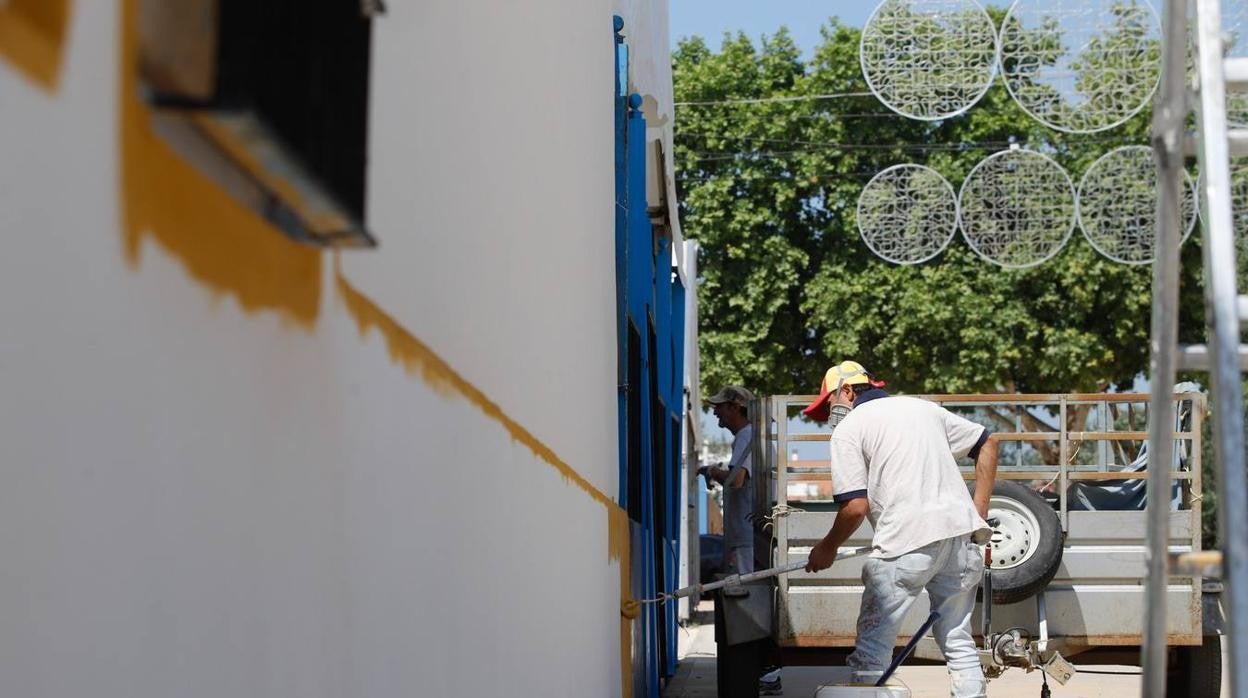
x=1222, y=317
x=1168, y=118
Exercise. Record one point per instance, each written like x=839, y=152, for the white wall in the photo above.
x=494, y=193
x=200, y=497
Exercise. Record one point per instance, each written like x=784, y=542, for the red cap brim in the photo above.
x=819, y=410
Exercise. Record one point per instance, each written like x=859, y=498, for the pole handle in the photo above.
x=735, y=579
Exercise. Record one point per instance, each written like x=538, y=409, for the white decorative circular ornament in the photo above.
x=1081, y=66
x=929, y=59
x=907, y=214
x=1017, y=208
x=1117, y=205
x=1235, y=38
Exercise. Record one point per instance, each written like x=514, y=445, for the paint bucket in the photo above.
x=862, y=691
x=845, y=683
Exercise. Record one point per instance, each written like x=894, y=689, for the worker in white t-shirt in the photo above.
x=894, y=463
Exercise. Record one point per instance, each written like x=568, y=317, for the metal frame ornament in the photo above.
x=907, y=214
x=929, y=59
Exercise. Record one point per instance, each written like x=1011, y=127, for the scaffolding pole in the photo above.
x=1168, y=124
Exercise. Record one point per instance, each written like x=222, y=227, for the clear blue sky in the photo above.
x=711, y=18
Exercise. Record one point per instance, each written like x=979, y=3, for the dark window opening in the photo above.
x=658, y=460
x=674, y=466
x=633, y=424
x=278, y=90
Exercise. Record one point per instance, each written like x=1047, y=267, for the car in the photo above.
x=710, y=556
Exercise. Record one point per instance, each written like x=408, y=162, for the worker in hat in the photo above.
x=731, y=406
x=894, y=462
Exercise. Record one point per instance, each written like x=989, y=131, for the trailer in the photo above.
x=1069, y=540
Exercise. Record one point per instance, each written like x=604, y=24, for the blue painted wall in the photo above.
x=650, y=299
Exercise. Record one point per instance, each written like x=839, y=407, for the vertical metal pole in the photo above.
x=1018, y=450
x=1063, y=450
x=1168, y=118
x=1197, y=486
x=780, y=527
x=1104, y=453
x=1221, y=314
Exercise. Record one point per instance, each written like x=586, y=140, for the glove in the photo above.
x=704, y=471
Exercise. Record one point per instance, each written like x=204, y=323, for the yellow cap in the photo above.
x=844, y=373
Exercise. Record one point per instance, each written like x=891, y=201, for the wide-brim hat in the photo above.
x=732, y=393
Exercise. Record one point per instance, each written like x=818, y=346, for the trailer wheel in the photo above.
x=1026, y=542
x=1196, y=671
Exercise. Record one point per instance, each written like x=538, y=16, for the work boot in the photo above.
x=969, y=684
x=769, y=682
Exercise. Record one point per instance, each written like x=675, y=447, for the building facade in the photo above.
x=314, y=383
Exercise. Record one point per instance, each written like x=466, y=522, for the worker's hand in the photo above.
x=821, y=557
x=705, y=472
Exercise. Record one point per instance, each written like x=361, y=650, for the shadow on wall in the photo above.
x=222, y=245
x=32, y=38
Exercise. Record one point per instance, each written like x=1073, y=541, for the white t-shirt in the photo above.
x=901, y=453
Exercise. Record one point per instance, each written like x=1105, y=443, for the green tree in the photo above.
x=770, y=189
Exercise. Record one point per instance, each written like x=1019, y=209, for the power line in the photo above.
x=778, y=155
x=824, y=147
x=815, y=176
x=821, y=144
x=830, y=117
x=1121, y=140
x=815, y=147
x=769, y=100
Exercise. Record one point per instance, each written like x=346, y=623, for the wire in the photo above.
x=829, y=117
x=1110, y=140
x=817, y=176
x=770, y=100
x=1110, y=673
x=778, y=154
x=716, y=156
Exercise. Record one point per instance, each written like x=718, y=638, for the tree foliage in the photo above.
x=769, y=190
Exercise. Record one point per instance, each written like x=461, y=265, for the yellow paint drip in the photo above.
x=32, y=37
x=221, y=244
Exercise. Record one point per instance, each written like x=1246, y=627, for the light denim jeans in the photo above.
x=950, y=570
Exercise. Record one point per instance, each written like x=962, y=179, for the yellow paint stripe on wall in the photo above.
x=417, y=358
x=32, y=38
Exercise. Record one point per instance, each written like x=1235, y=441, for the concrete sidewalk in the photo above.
x=695, y=677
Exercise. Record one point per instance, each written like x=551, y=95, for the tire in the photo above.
x=1026, y=542
x=1196, y=670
